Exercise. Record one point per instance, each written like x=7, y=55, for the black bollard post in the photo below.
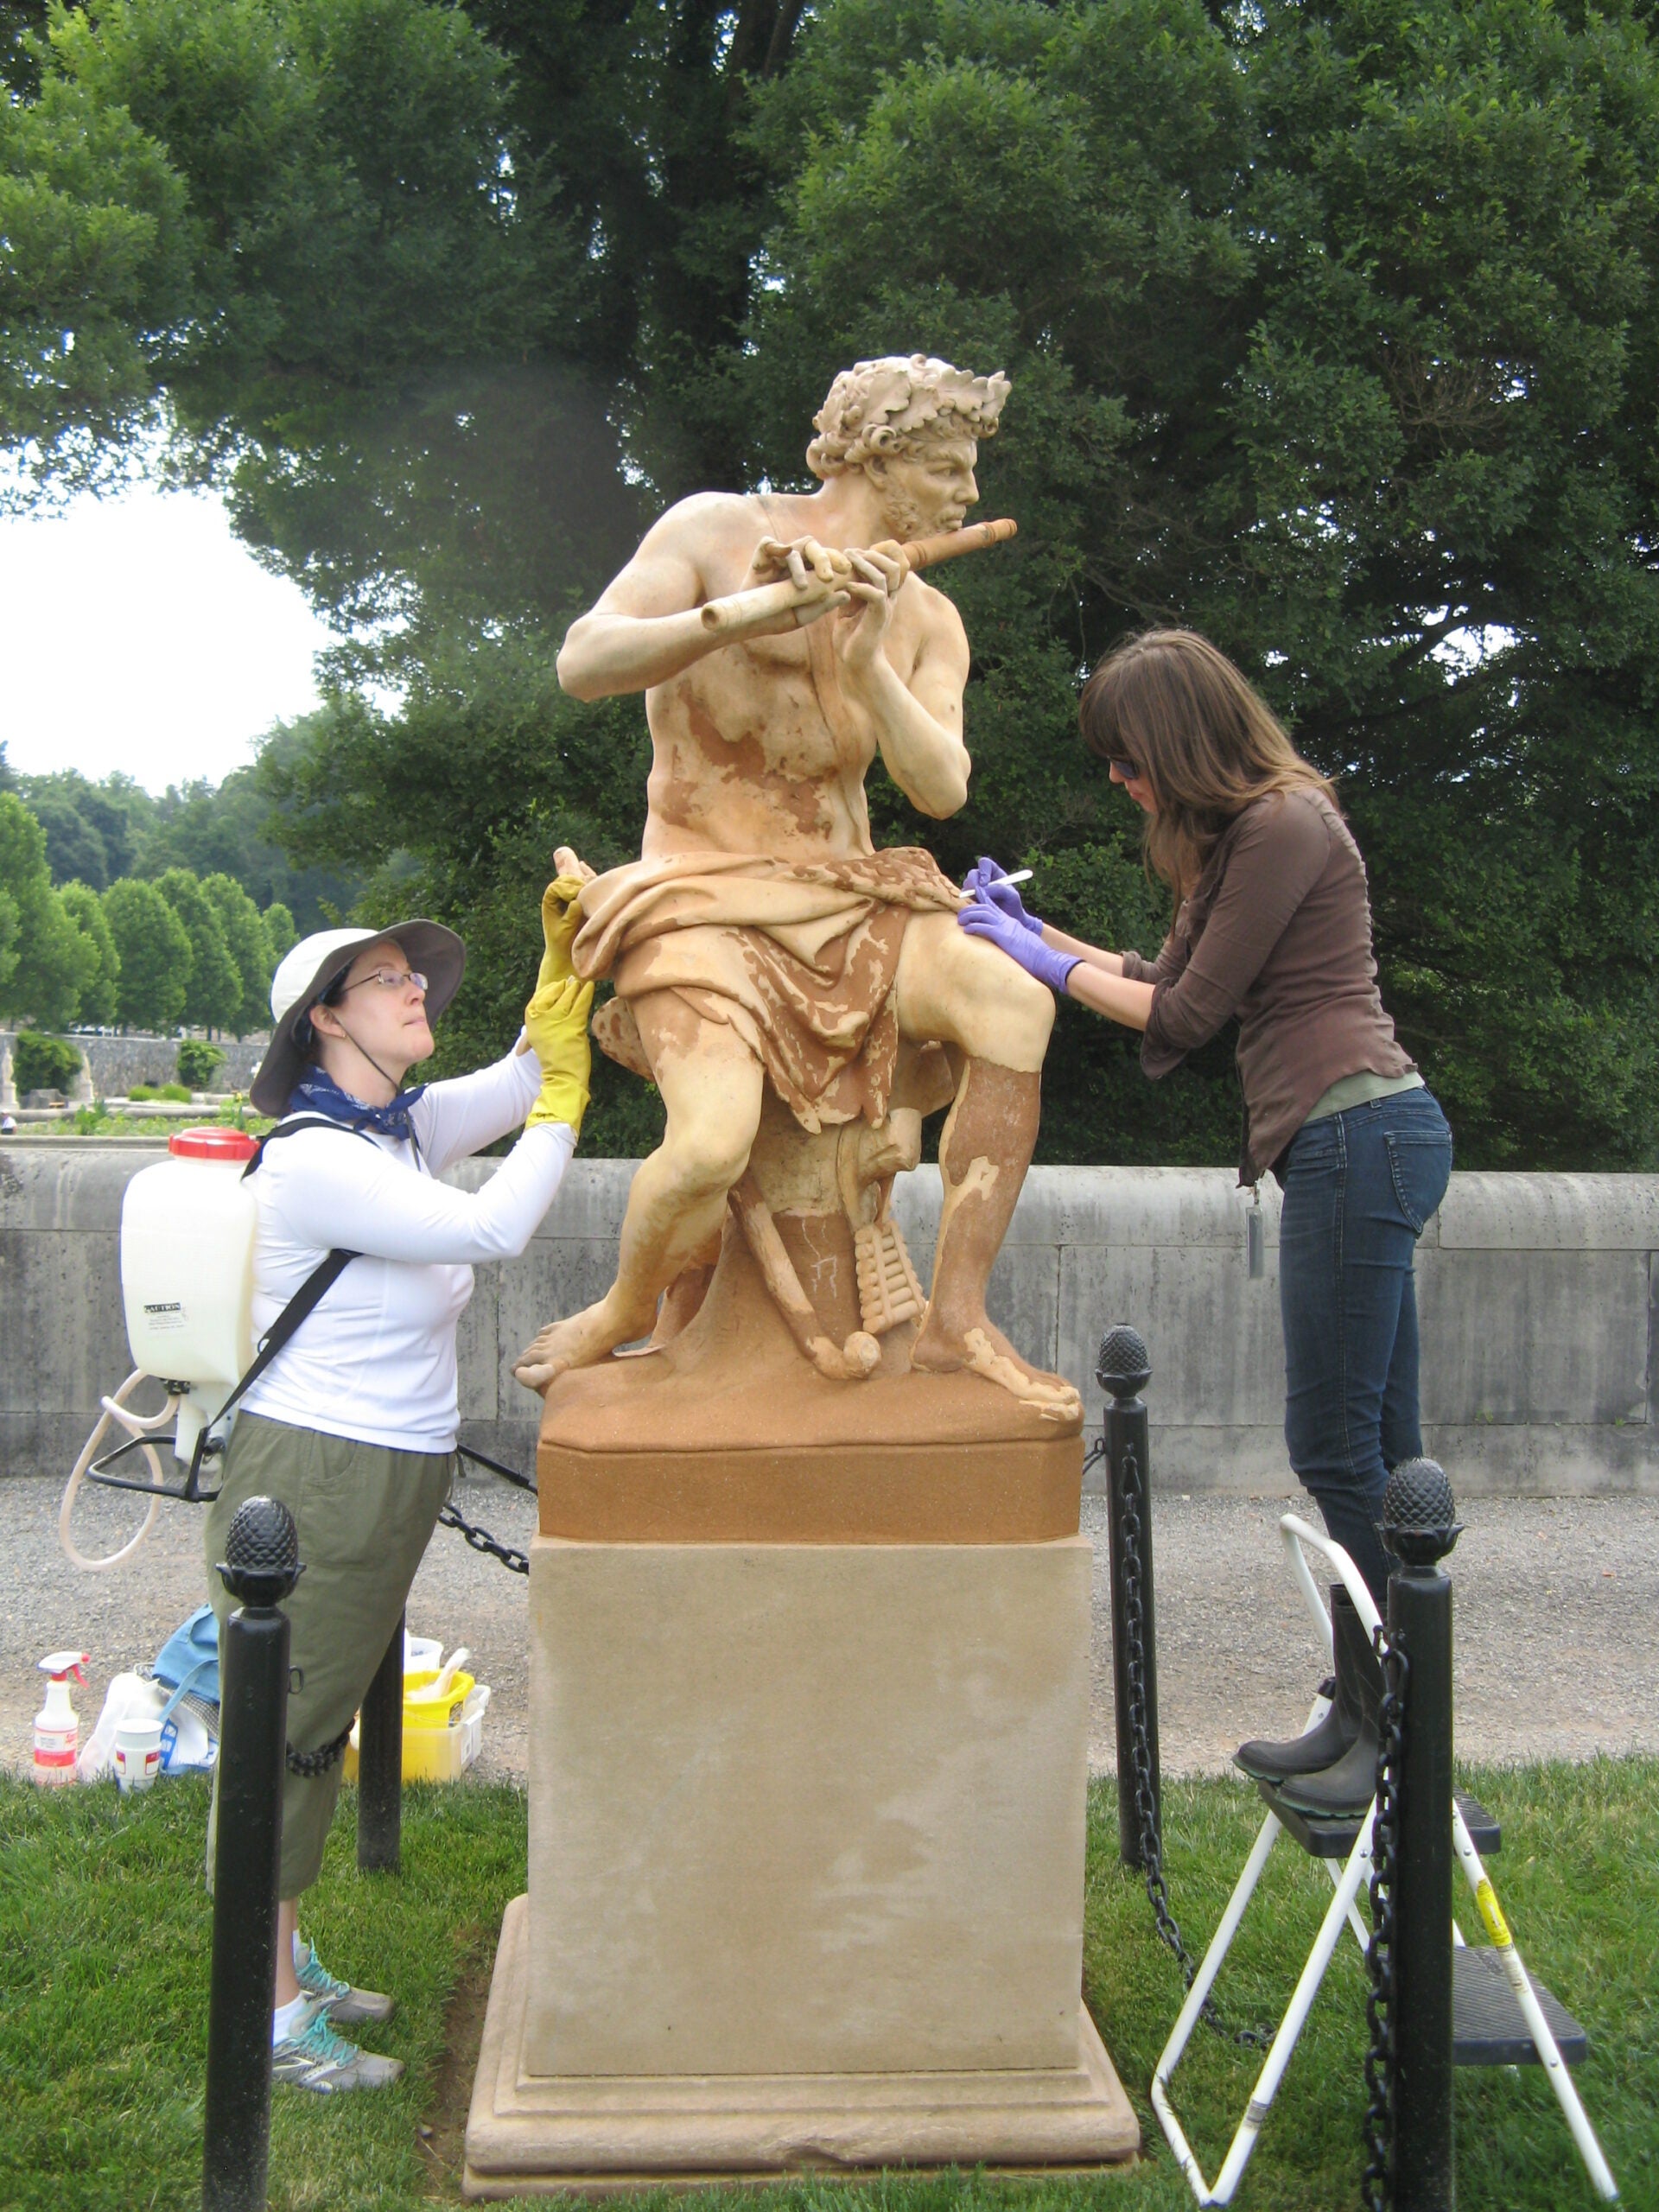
x=1123, y=1369
x=380, y=1764
x=261, y=1566
x=1419, y=1526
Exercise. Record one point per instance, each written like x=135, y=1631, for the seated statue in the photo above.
x=781, y=641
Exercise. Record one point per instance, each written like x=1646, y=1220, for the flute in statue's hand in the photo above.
x=813, y=585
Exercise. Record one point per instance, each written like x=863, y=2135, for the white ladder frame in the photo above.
x=1343, y=1906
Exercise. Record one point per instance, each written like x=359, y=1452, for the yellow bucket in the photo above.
x=443, y=1734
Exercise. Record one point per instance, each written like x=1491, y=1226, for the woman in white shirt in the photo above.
x=353, y=1426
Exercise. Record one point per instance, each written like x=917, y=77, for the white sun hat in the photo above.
x=316, y=964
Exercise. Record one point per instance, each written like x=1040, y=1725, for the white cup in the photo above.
x=137, y=1754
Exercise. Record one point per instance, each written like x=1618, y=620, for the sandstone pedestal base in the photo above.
x=539, y=2135
x=806, y=1868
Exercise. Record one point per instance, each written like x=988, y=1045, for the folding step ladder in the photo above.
x=1500, y=2015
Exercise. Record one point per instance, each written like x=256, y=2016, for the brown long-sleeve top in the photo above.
x=1278, y=932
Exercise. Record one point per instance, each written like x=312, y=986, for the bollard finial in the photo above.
x=1420, y=1515
x=1123, y=1368
x=263, y=1553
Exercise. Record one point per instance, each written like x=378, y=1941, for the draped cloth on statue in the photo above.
x=798, y=959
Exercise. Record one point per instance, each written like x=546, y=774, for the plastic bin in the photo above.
x=442, y=1735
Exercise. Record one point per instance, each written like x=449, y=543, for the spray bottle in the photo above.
x=56, y=1729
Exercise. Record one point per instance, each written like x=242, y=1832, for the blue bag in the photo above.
x=189, y=1659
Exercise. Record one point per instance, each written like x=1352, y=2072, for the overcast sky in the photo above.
x=138, y=634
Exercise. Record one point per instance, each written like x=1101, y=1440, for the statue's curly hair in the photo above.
x=895, y=404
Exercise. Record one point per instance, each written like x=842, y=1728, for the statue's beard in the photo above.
x=901, y=517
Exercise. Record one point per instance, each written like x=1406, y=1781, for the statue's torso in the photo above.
x=746, y=758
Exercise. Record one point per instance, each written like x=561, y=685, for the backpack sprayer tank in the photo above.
x=186, y=1271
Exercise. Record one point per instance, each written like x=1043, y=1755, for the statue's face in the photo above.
x=929, y=490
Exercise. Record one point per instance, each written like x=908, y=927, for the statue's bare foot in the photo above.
x=984, y=1351
x=577, y=1341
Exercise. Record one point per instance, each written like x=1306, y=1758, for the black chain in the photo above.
x=1381, y=2059
x=1146, y=1812
x=515, y=1561
x=310, y=1764
x=507, y=1474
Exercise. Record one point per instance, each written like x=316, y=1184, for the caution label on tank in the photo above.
x=166, y=1313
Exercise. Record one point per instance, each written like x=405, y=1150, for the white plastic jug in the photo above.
x=187, y=1269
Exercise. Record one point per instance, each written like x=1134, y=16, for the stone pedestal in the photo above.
x=810, y=1688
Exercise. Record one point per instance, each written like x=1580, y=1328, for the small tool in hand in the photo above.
x=1019, y=875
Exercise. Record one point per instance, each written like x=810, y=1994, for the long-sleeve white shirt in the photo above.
x=375, y=1359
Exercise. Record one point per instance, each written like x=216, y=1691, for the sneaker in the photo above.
x=315, y=2057
x=346, y=2006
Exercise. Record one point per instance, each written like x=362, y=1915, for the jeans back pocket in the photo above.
x=1420, y=1167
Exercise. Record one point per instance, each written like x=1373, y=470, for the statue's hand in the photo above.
x=567, y=862
x=802, y=560
x=818, y=573
x=873, y=585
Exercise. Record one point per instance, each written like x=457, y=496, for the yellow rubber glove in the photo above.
x=561, y=920
x=556, y=1022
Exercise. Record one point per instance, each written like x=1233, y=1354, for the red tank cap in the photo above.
x=213, y=1143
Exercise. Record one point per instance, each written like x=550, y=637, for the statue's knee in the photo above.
x=1017, y=1011
x=705, y=1162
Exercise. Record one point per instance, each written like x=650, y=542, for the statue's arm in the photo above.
x=647, y=625
x=919, y=723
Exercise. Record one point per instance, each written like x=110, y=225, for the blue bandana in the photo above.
x=318, y=1093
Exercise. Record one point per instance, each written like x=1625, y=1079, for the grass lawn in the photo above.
x=104, y=1932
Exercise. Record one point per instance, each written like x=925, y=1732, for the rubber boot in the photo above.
x=1333, y=1734
x=1346, y=1788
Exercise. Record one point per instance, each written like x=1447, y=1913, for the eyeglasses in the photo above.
x=1126, y=769
x=391, y=979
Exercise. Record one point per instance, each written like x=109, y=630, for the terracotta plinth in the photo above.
x=726, y=1434
x=809, y=1712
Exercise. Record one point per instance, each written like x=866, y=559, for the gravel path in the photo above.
x=1556, y=1603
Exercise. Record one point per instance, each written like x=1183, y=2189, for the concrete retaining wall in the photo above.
x=110, y=1065
x=1537, y=1293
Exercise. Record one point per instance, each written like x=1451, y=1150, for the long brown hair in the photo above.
x=1204, y=740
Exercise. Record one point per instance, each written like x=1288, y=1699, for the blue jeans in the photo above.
x=1358, y=1186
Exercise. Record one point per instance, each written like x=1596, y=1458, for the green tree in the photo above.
x=153, y=950
x=1332, y=330
x=280, y=932
x=74, y=851
x=94, y=832
x=100, y=992
x=10, y=930
x=228, y=830
x=42, y=1063
x=96, y=224
x=212, y=996
x=50, y=961
x=249, y=947
x=275, y=201
x=1334, y=334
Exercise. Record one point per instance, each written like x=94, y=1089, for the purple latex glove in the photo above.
x=981, y=882
x=1038, y=959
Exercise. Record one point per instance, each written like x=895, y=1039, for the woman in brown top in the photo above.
x=1272, y=925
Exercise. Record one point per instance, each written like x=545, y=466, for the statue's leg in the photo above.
x=711, y=1084
x=958, y=989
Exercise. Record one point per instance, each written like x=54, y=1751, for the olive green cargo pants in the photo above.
x=366, y=1515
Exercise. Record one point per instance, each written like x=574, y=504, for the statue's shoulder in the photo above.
x=706, y=515
x=936, y=611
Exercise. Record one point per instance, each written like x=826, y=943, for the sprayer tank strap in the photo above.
x=317, y=1286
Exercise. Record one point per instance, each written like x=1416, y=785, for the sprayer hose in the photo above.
x=138, y=1426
